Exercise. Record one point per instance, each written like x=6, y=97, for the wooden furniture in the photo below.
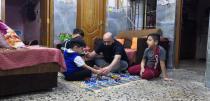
x=29, y=69
x=34, y=78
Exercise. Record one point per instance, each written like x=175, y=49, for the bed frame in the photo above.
x=29, y=79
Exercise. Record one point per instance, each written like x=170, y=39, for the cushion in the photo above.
x=12, y=39
x=127, y=43
x=134, y=43
x=131, y=55
x=121, y=41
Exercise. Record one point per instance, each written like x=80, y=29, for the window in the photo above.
x=150, y=14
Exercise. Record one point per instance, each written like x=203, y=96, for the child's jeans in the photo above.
x=80, y=75
x=149, y=73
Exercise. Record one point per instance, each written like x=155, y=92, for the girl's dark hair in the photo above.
x=75, y=42
x=155, y=37
x=78, y=31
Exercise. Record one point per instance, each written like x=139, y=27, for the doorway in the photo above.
x=193, y=32
x=31, y=19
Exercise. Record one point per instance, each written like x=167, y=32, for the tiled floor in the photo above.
x=198, y=66
x=188, y=85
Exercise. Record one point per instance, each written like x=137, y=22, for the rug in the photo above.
x=97, y=83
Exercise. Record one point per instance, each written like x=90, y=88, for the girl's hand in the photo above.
x=142, y=71
x=167, y=79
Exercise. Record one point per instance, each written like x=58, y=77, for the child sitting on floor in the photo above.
x=76, y=68
x=153, y=61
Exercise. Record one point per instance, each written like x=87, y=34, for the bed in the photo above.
x=29, y=69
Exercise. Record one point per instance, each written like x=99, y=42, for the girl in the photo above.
x=153, y=61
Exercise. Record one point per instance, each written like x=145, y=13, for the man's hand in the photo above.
x=98, y=71
x=142, y=71
x=105, y=70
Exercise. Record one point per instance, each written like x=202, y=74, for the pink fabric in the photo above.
x=131, y=53
x=33, y=55
x=9, y=35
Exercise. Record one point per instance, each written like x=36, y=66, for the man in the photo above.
x=114, y=57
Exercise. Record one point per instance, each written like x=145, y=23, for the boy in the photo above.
x=153, y=61
x=76, y=68
x=78, y=33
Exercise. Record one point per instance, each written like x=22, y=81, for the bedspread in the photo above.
x=29, y=56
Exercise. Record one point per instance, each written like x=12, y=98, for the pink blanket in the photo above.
x=33, y=55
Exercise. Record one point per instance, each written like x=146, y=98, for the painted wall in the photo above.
x=32, y=30
x=165, y=20
x=65, y=13
x=207, y=74
x=29, y=30
x=16, y=22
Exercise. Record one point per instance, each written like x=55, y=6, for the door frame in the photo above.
x=3, y=10
x=47, y=21
x=47, y=16
x=178, y=28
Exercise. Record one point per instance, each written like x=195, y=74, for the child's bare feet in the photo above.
x=167, y=79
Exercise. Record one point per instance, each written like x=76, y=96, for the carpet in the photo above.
x=97, y=83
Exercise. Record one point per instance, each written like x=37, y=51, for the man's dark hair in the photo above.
x=78, y=31
x=155, y=37
x=75, y=42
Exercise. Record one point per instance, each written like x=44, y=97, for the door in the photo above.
x=91, y=19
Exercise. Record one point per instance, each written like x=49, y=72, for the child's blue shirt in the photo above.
x=74, y=62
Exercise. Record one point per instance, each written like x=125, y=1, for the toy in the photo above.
x=115, y=77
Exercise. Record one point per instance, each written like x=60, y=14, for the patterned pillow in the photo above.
x=134, y=43
x=12, y=39
x=3, y=43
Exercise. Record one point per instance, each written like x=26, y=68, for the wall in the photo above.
x=165, y=20
x=202, y=20
x=207, y=74
x=65, y=13
x=30, y=30
x=16, y=22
